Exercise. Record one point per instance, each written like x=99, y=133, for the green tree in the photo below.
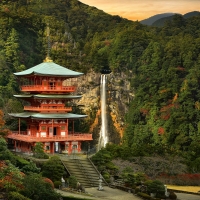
x=35, y=187
x=30, y=168
x=101, y=158
x=156, y=187
x=53, y=169
x=38, y=151
x=10, y=176
x=131, y=177
x=16, y=196
x=72, y=181
x=12, y=48
x=3, y=131
x=5, y=154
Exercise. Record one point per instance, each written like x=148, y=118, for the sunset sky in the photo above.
x=142, y=9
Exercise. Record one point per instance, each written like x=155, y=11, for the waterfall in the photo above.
x=103, y=136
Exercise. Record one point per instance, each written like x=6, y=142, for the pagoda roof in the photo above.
x=49, y=69
x=48, y=96
x=34, y=115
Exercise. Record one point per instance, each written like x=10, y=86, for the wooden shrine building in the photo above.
x=47, y=87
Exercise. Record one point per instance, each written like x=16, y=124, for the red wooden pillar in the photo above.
x=25, y=147
x=33, y=147
x=21, y=146
x=43, y=146
x=73, y=126
x=67, y=131
x=70, y=148
x=28, y=147
x=79, y=146
x=52, y=147
x=15, y=145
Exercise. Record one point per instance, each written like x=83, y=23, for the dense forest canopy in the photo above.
x=165, y=62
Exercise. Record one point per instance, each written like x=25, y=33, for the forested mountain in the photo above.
x=160, y=22
x=165, y=62
x=149, y=21
x=73, y=26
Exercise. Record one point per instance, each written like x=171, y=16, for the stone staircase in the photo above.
x=84, y=170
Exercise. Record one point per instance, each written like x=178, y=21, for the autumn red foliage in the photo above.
x=9, y=178
x=144, y=111
x=181, y=68
x=161, y=130
x=181, y=179
x=49, y=181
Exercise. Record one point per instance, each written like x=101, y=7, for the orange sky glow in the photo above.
x=142, y=9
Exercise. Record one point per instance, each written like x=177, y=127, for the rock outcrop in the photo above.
x=119, y=95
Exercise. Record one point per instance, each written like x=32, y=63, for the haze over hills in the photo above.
x=159, y=19
x=160, y=22
x=149, y=21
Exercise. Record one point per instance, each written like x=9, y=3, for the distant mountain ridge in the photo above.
x=149, y=21
x=160, y=19
x=161, y=22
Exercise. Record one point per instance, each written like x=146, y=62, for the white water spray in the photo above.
x=103, y=138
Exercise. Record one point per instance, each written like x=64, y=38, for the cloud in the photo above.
x=141, y=9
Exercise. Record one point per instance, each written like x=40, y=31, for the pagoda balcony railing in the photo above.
x=48, y=108
x=29, y=88
x=70, y=137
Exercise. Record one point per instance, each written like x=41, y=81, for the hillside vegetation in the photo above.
x=164, y=115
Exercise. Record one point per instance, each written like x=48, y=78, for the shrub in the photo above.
x=156, y=187
x=31, y=167
x=111, y=166
x=137, y=189
x=21, y=162
x=38, y=151
x=132, y=178
x=106, y=176
x=144, y=195
x=72, y=198
x=53, y=169
x=35, y=187
x=187, y=179
x=16, y=196
x=49, y=181
x=57, y=184
x=194, y=166
x=72, y=181
x=172, y=195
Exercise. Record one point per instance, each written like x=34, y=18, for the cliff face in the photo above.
x=119, y=95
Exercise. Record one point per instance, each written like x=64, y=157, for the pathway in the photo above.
x=184, y=196
x=107, y=194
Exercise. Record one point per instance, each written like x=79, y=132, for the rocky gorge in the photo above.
x=119, y=95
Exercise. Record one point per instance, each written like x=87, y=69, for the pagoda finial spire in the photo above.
x=48, y=59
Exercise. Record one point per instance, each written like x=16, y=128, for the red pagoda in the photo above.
x=47, y=87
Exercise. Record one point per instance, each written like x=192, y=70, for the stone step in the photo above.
x=84, y=171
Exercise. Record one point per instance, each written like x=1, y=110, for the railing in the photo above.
x=17, y=132
x=27, y=138
x=48, y=108
x=97, y=171
x=84, y=172
x=65, y=167
x=47, y=88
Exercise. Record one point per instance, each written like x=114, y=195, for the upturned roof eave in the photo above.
x=51, y=75
x=49, y=69
x=26, y=115
x=40, y=96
